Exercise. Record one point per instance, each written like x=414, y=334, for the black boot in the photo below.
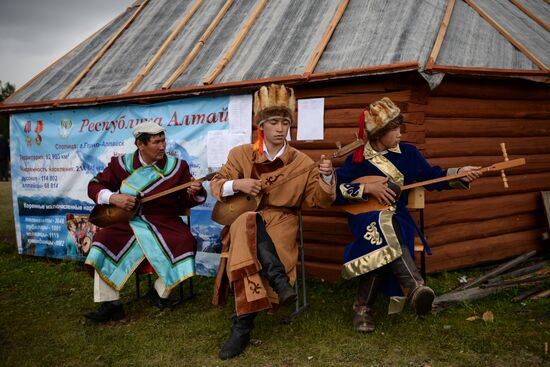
x=239, y=337
x=363, y=318
x=108, y=311
x=272, y=268
x=420, y=296
x=161, y=303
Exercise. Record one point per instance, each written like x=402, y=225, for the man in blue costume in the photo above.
x=155, y=234
x=380, y=254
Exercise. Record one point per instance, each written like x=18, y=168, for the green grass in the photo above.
x=41, y=302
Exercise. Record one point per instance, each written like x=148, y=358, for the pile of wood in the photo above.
x=521, y=271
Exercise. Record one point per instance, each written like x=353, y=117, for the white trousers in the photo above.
x=103, y=292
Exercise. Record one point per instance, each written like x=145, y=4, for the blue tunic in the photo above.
x=375, y=240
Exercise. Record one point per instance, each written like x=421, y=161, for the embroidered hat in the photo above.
x=274, y=101
x=373, y=119
x=147, y=128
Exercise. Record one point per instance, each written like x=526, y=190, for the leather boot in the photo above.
x=272, y=268
x=420, y=296
x=108, y=311
x=363, y=318
x=239, y=337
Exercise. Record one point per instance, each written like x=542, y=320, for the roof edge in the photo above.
x=157, y=95
x=486, y=71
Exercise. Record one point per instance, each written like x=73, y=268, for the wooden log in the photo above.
x=323, y=253
x=460, y=147
x=475, y=252
x=535, y=162
x=334, y=239
x=339, y=88
x=450, y=212
x=416, y=138
x=324, y=271
x=491, y=186
x=500, y=269
x=496, y=108
x=324, y=224
x=361, y=100
x=447, y=300
x=441, y=235
x=464, y=87
x=488, y=127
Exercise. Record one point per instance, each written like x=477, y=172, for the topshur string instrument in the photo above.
x=371, y=205
x=225, y=212
x=104, y=215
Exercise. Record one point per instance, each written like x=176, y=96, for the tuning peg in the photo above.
x=339, y=144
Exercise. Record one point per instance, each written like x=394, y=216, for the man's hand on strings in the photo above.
x=248, y=186
x=381, y=192
x=195, y=188
x=123, y=201
x=325, y=166
x=473, y=173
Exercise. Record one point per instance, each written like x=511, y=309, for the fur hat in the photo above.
x=379, y=114
x=373, y=119
x=274, y=101
x=147, y=128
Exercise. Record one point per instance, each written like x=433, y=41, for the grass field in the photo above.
x=41, y=302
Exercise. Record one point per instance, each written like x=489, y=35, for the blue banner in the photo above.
x=54, y=155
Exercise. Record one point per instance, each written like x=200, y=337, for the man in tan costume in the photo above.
x=259, y=252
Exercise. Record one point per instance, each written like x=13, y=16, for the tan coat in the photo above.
x=239, y=267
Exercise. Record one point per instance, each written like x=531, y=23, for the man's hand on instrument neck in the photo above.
x=473, y=173
x=248, y=186
x=195, y=188
x=123, y=201
x=325, y=167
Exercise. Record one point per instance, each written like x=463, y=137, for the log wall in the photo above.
x=465, y=121
x=460, y=122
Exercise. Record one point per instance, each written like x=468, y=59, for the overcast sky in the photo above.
x=35, y=33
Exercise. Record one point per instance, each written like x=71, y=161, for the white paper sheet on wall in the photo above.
x=220, y=142
x=240, y=114
x=311, y=119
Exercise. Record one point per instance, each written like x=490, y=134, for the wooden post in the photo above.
x=440, y=35
x=101, y=52
x=236, y=43
x=502, y=174
x=326, y=37
x=147, y=68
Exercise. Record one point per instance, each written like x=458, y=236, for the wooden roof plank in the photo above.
x=506, y=34
x=236, y=43
x=147, y=68
x=326, y=37
x=88, y=67
x=440, y=34
x=191, y=56
x=531, y=15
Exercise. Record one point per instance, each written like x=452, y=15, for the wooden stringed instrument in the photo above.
x=225, y=212
x=104, y=215
x=372, y=205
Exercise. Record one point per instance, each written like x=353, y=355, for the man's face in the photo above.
x=154, y=150
x=391, y=138
x=275, y=131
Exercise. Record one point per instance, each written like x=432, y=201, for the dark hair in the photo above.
x=144, y=138
x=396, y=122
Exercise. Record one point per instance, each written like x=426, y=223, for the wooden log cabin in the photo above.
x=467, y=75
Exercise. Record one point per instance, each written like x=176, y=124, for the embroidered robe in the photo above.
x=156, y=234
x=239, y=266
x=375, y=240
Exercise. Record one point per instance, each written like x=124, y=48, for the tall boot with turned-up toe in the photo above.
x=239, y=336
x=363, y=314
x=272, y=268
x=420, y=296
